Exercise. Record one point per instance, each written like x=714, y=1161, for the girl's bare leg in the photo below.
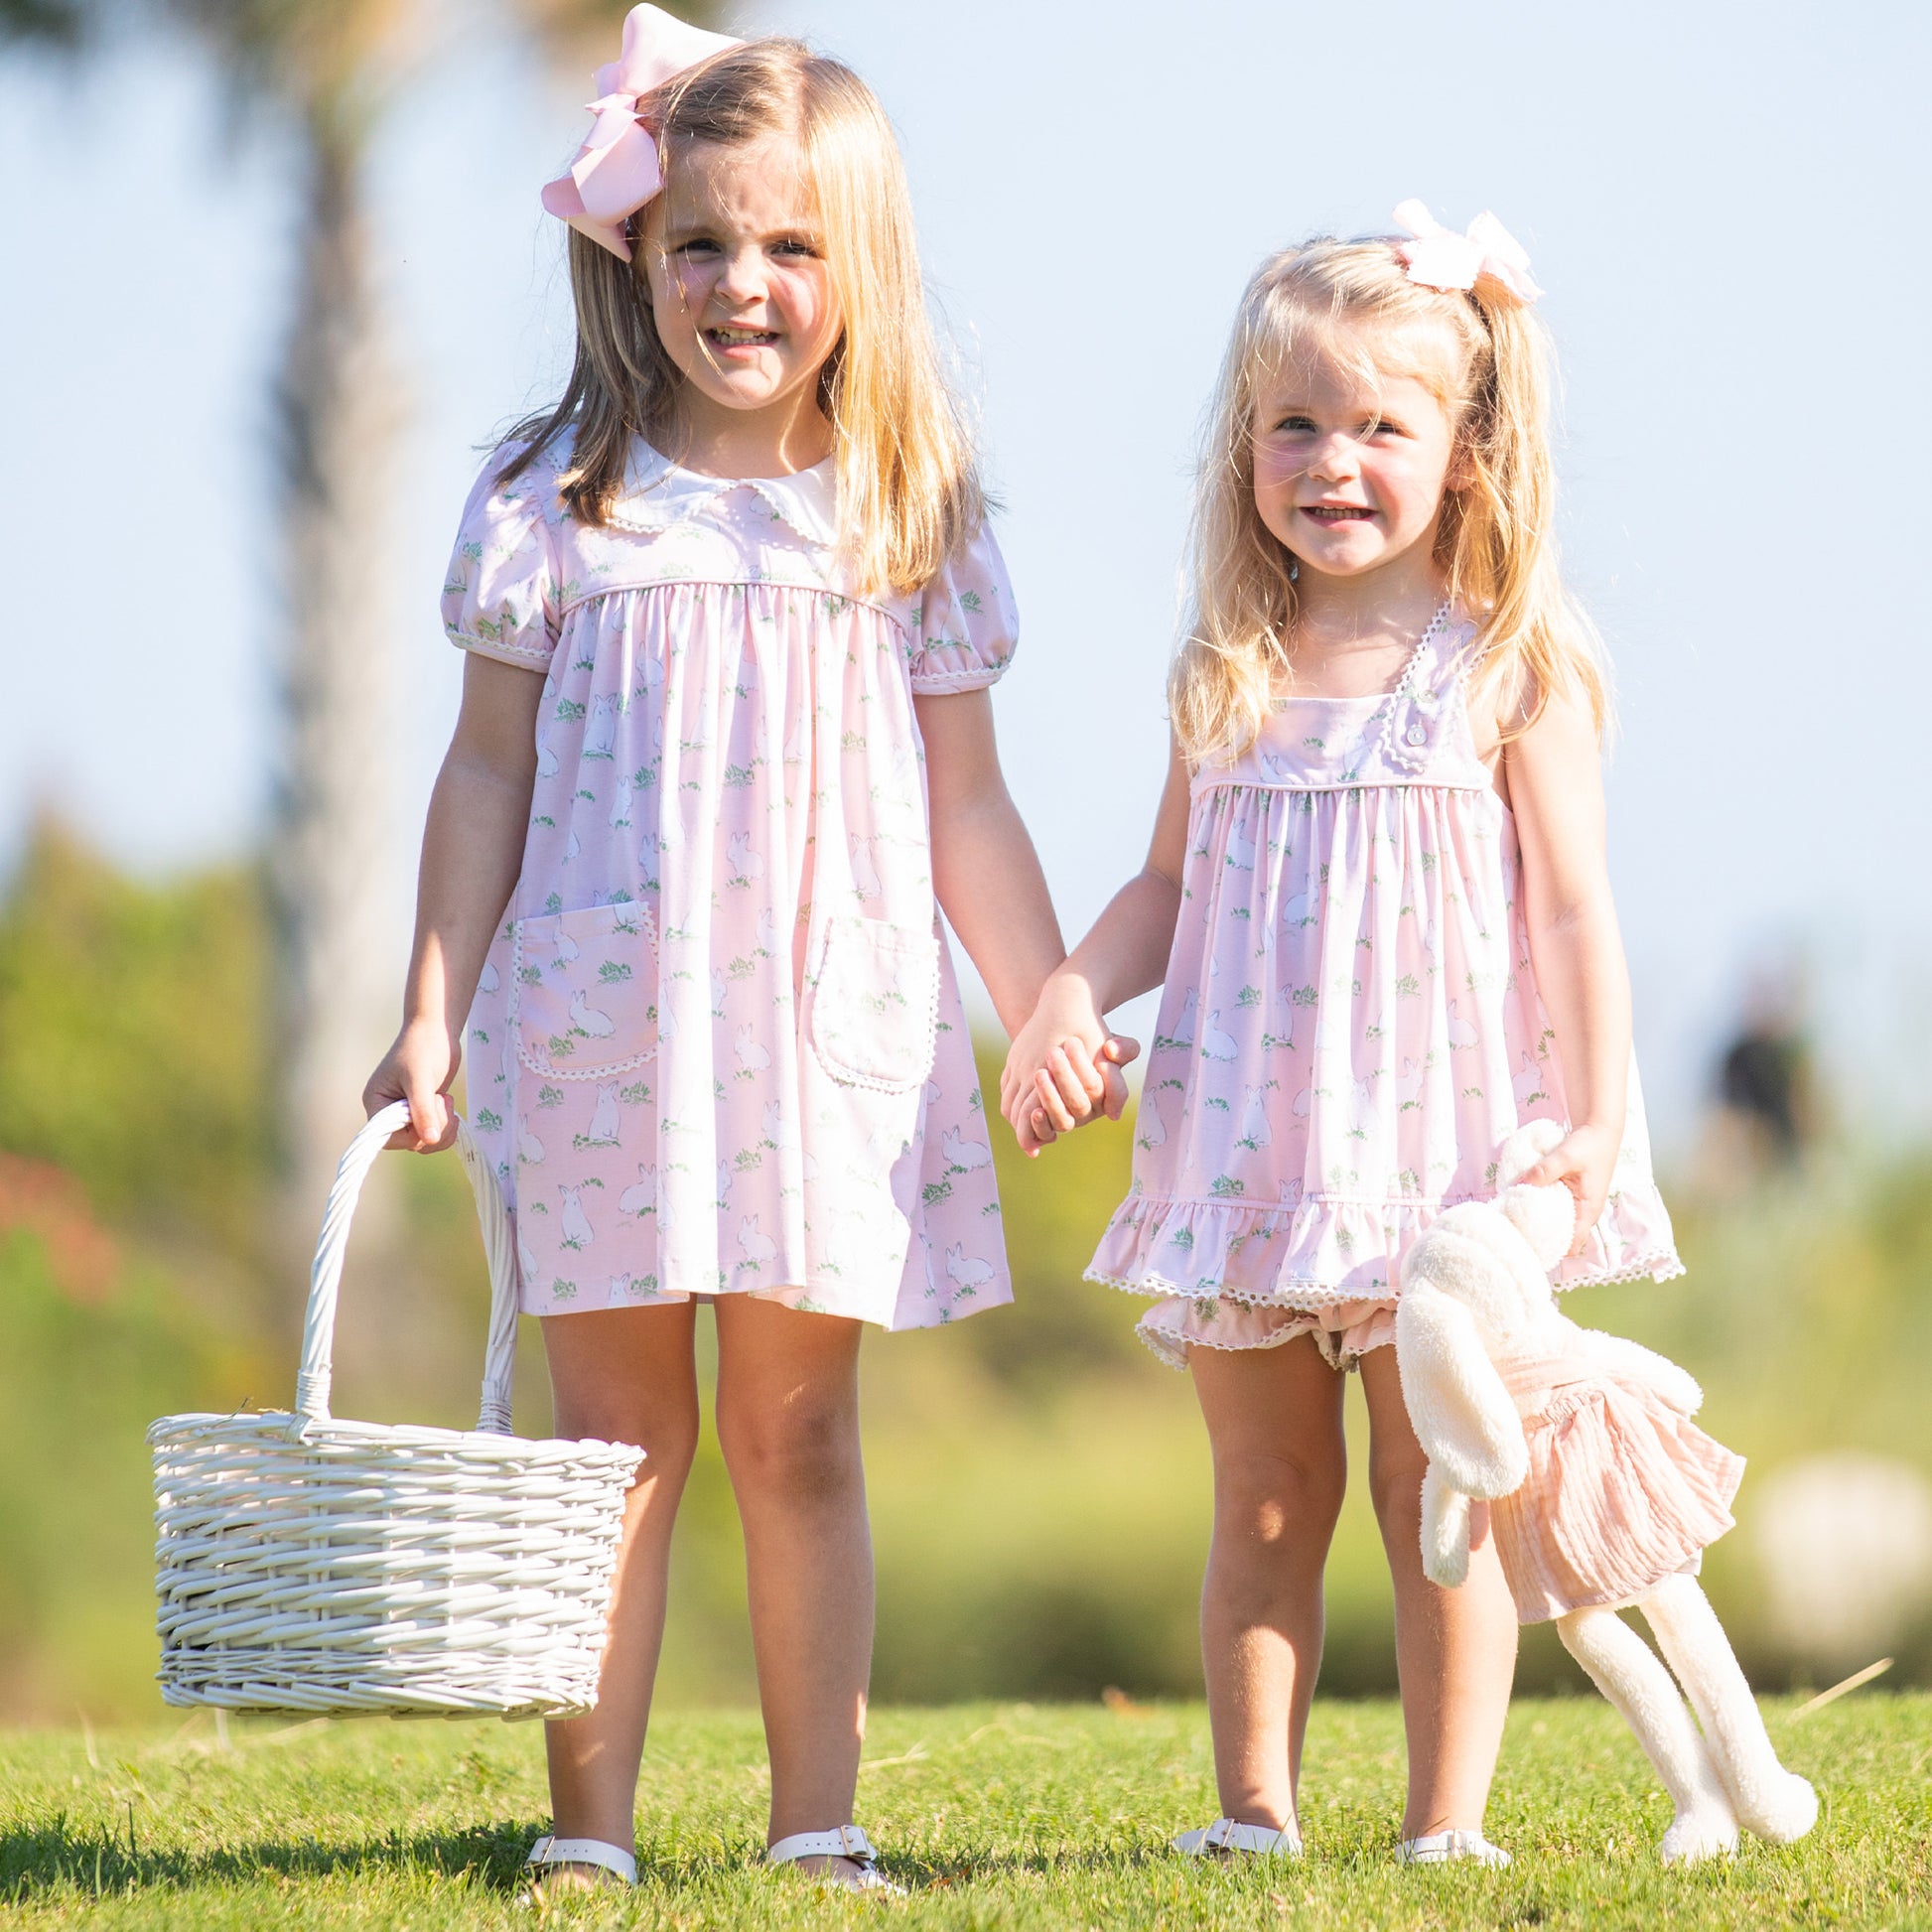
x=789, y=1424
x=623, y=1375
x=1455, y=1649
x=1273, y=1424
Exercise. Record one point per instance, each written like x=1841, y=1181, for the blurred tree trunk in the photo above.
x=326, y=66
x=335, y=844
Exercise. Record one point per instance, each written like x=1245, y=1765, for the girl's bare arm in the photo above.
x=1125, y=953
x=985, y=871
x=473, y=848
x=1555, y=784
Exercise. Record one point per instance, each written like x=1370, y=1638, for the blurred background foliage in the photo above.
x=1040, y=1484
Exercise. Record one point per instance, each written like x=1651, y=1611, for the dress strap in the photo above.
x=1407, y=722
x=1419, y=673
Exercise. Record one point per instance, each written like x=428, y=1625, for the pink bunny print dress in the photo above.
x=717, y=1047
x=1350, y=1027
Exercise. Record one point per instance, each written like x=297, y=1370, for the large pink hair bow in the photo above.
x=615, y=172
x=1440, y=258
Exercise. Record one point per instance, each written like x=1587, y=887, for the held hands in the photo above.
x=1064, y=1070
x=1584, y=1161
x=419, y=1068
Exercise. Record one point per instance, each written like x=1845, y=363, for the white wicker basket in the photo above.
x=305, y=1563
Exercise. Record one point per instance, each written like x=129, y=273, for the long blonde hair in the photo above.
x=1488, y=362
x=908, y=485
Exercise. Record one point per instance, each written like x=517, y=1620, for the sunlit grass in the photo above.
x=992, y=1815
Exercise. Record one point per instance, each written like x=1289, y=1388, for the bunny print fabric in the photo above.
x=1350, y=1027
x=716, y=1045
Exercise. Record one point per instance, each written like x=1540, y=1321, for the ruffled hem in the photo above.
x=1326, y=1264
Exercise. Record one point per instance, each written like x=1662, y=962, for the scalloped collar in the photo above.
x=658, y=494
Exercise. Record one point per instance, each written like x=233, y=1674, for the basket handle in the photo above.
x=326, y=1276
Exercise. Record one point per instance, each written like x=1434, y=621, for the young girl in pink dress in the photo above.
x=730, y=613
x=1378, y=896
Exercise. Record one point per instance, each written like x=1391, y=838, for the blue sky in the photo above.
x=1724, y=204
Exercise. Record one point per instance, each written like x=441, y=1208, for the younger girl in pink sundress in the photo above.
x=1378, y=898
x=731, y=611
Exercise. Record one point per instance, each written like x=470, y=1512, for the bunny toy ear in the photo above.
x=1461, y=1412
x=1445, y=1531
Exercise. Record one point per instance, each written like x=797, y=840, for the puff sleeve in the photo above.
x=499, y=594
x=967, y=624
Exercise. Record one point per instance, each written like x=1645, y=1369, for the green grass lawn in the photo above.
x=994, y=1815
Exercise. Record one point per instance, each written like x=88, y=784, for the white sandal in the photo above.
x=845, y=1842
x=1227, y=1835
x=1440, y=1847
x=551, y=1853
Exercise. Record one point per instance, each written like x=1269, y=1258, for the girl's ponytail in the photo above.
x=1498, y=539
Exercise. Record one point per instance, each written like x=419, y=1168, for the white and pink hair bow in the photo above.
x=615, y=172
x=1438, y=259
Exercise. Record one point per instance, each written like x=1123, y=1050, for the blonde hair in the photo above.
x=1488, y=362
x=907, y=487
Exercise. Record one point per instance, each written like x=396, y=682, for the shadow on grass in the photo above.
x=57, y=1855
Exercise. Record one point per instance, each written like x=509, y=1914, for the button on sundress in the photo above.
x=1350, y=1027
x=718, y=1045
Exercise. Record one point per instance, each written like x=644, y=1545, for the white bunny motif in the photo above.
x=865, y=875
x=960, y=1152
x=588, y=1018
x=578, y=1232
x=1217, y=1044
x=601, y=733
x=620, y=801
x=1481, y=1348
x=966, y=1272
x=605, y=1129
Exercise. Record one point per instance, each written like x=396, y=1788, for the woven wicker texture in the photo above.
x=307, y=1564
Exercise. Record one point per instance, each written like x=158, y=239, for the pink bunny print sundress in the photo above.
x=718, y=1045
x=1350, y=1027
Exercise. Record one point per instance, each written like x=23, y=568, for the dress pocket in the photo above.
x=875, y=1003
x=584, y=990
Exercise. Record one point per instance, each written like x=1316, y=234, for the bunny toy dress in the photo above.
x=1350, y=1027
x=717, y=1044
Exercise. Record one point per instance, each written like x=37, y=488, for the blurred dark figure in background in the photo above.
x=1760, y=1078
x=1766, y=1119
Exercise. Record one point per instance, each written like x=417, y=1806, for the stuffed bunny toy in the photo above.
x=1603, y=1495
